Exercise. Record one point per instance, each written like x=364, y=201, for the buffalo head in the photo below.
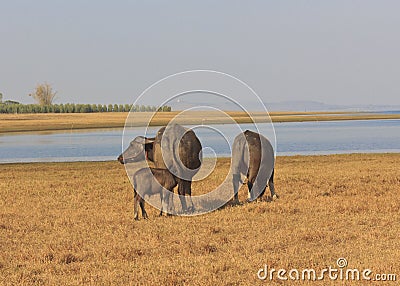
x=139, y=149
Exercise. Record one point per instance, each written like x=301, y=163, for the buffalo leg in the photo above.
x=170, y=203
x=135, y=205
x=144, y=214
x=162, y=203
x=235, y=181
x=164, y=195
x=272, y=186
x=181, y=193
x=250, y=186
x=189, y=192
x=185, y=187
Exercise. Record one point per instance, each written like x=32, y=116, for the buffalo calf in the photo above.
x=152, y=181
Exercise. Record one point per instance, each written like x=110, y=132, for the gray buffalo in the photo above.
x=174, y=148
x=253, y=156
x=152, y=181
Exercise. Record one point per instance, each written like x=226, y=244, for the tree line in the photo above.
x=77, y=108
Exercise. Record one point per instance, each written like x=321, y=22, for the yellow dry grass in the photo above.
x=72, y=224
x=53, y=121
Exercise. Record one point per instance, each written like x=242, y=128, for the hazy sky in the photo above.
x=337, y=52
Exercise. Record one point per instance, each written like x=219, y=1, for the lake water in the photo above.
x=300, y=138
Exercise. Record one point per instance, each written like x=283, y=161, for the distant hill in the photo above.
x=320, y=106
x=295, y=105
x=300, y=105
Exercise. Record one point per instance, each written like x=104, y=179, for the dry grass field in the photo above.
x=57, y=121
x=72, y=224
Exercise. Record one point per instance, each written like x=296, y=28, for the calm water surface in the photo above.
x=300, y=138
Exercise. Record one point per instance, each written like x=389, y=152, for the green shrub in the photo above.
x=11, y=107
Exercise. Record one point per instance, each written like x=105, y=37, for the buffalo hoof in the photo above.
x=275, y=197
x=136, y=218
x=249, y=200
x=234, y=202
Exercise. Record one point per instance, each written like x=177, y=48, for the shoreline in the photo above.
x=316, y=156
x=12, y=123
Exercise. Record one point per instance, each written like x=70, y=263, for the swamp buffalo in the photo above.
x=174, y=148
x=253, y=156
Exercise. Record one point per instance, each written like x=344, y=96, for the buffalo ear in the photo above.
x=148, y=145
x=144, y=140
x=149, y=140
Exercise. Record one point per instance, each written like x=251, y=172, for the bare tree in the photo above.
x=1, y=97
x=43, y=94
